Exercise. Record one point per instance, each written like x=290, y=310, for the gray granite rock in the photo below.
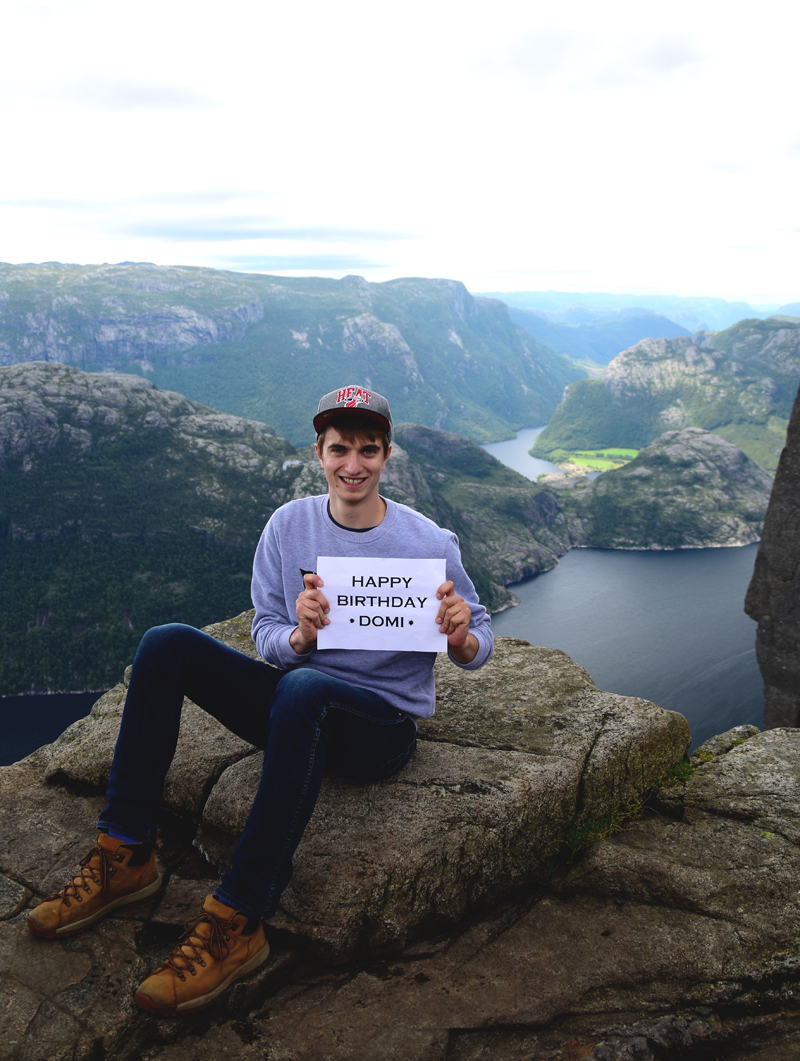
x=722, y=743
x=82, y=755
x=515, y=754
x=773, y=598
x=676, y=934
x=455, y=828
x=673, y=938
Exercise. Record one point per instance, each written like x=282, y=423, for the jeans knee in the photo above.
x=161, y=643
x=300, y=694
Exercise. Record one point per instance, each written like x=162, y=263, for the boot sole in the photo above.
x=87, y=922
x=260, y=958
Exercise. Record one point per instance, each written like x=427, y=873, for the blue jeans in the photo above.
x=304, y=720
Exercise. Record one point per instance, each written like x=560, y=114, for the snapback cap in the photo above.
x=354, y=401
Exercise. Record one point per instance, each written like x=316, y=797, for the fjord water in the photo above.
x=666, y=626
x=30, y=721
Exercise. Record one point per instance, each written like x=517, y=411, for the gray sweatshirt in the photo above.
x=291, y=542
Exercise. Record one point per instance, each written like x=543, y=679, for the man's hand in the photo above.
x=453, y=618
x=312, y=608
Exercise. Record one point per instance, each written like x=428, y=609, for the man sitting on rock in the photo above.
x=352, y=711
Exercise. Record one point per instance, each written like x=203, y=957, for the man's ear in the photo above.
x=316, y=450
x=388, y=455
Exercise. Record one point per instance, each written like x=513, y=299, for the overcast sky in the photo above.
x=630, y=147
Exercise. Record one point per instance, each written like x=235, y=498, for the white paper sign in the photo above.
x=381, y=604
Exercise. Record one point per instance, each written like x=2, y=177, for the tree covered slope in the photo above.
x=263, y=347
x=124, y=506
x=739, y=383
x=689, y=489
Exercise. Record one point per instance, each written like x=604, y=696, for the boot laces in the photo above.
x=214, y=944
x=95, y=868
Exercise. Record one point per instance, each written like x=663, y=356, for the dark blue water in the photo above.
x=514, y=454
x=666, y=626
x=28, y=722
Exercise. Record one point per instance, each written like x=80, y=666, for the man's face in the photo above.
x=352, y=468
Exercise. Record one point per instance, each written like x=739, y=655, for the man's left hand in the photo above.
x=453, y=618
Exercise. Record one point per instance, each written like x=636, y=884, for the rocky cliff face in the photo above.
x=467, y=905
x=739, y=383
x=773, y=598
x=61, y=429
x=255, y=345
x=113, y=315
x=688, y=490
x=124, y=506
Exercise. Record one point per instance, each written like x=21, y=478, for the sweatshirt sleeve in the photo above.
x=480, y=624
x=272, y=624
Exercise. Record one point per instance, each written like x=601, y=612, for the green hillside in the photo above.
x=689, y=489
x=124, y=506
x=739, y=383
x=263, y=346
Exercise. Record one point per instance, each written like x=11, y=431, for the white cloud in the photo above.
x=123, y=95
x=620, y=145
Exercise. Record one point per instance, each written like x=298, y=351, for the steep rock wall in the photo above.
x=773, y=598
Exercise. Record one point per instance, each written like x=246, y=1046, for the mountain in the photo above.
x=262, y=346
x=124, y=506
x=689, y=489
x=690, y=312
x=739, y=383
x=599, y=340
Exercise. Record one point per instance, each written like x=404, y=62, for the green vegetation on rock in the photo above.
x=597, y=460
x=263, y=347
x=124, y=507
x=739, y=383
x=689, y=489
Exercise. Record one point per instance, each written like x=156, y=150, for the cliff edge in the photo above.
x=773, y=598
x=485, y=905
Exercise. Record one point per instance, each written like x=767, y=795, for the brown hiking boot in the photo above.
x=113, y=874
x=221, y=946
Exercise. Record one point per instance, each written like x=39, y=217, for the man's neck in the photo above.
x=357, y=517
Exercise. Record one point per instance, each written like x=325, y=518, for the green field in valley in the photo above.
x=601, y=460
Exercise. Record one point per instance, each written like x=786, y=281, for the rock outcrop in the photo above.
x=98, y=317
x=688, y=490
x=739, y=383
x=124, y=504
x=673, y=936
x=773, y=598
x=251, y=344
x=517, y=755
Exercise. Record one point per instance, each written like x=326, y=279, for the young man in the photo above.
x=351, y=711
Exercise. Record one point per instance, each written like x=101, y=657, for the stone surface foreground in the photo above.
x=516, y=753
x=676, y=937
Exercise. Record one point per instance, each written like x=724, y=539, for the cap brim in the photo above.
x=323, y=419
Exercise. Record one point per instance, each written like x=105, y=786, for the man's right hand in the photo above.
x=312, y=608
